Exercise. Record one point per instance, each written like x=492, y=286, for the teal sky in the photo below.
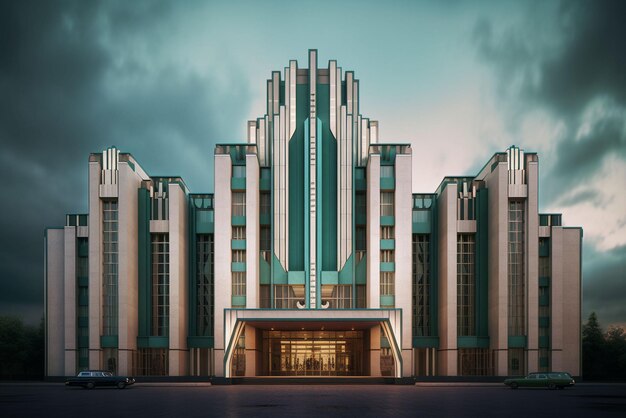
x=168, y=80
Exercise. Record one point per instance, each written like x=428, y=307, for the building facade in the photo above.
x=313, y=257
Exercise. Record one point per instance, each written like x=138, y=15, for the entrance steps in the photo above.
x=311, y=380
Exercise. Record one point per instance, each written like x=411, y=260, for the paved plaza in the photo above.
x=203, y=400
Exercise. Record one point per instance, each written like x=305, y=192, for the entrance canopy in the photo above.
x=312, y=319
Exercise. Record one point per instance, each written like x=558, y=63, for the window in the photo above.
x=387, y=283
x=160, y=285
x=516, y=320
x=466, y=284
x=239, y=232
x=109, y=267
x=265, y=205
x=239, y=204
x=265, y=243
x=387, y=232
x=544, y=267
x=239, y=283
x=386, y=256
x=476, y=362
x=239, y=256
x=204, y=284
x=421, y=285
x=288, y=296
x=386, y=203
x=265, y=296
x=338, y=296
x=386, y=170
x=239, y=171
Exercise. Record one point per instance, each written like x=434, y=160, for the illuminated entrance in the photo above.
x=313, y=353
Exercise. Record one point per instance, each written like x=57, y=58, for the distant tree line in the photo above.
x=22, y=351
x=604, y=354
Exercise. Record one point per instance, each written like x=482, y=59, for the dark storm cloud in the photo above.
x=604, y=285
x=587, y=65
x=70, y=84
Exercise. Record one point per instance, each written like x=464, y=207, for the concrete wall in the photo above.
x=532, y=266
x=404, y=257
x=55, y=314
x=178, y=238
x=95, y=265
x=252, y=232
x=497, y=183
x=447, y=355
x=69, y=300
x=572, y=279
x=223, y=232
x=373, y=232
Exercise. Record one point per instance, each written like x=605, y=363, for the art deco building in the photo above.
x=313, y=257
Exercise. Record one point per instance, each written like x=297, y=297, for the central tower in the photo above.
x=312, y=139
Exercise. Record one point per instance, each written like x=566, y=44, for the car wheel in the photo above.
x=90, y=385
x=121, y=385
x=551, y=386
x=514, y=385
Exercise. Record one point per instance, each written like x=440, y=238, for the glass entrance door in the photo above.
x=313, y=353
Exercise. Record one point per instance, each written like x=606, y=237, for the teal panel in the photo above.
x=387, y=300
x=279, y=274
x=200, y=342
x=544, y=281
x=544, y=248
x=425, y=342
x=361, y=271
x=108, y=341
x=387, y=183
x=544, y=362
x=265, y=271
x=204, y=221
x=360, y=184
x=238, y=183
x=83, y=248
x=83, y=341
x=144, y=263
x=83, y=300
x=544, y=321
x=388, y=266
x=544, y=341
x=361, y=218
x=238, y=301
x=421, y=228
x=205, y=228
x=482, y=263
x=265, y=184
x=346, y=273
x=238, y=220
x=517, y=341
x=266, y=219
x=238, y=244
x=83, y=362
x=473, y=342
x=328, y=165
x=295, y=277
x=298, y=196
x=387, y=221
x=153, y=342
x=83, y=281
x=236, y=266
x=387, y=244
x=83, y=321
x=544, y=300
x=330, y=277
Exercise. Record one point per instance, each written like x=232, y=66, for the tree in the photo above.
x=594, y=347
x=21, y=348
x=616, y=352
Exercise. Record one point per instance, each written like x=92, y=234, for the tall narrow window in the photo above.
x=239, y=232
x=466, y=285
x=387, y=283
x=110, y=253
x=265, y=243
x=160, y=285
x=421, y=285
x=204, y=284
x=516, y=321
x=265, y=205
x=239, y=204
x=239, y=283
x=386, y=203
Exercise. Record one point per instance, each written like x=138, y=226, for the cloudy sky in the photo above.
x=166, y=81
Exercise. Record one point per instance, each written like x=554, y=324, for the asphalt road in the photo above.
x=200, y=400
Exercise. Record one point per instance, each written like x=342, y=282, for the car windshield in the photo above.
x=107, y=374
